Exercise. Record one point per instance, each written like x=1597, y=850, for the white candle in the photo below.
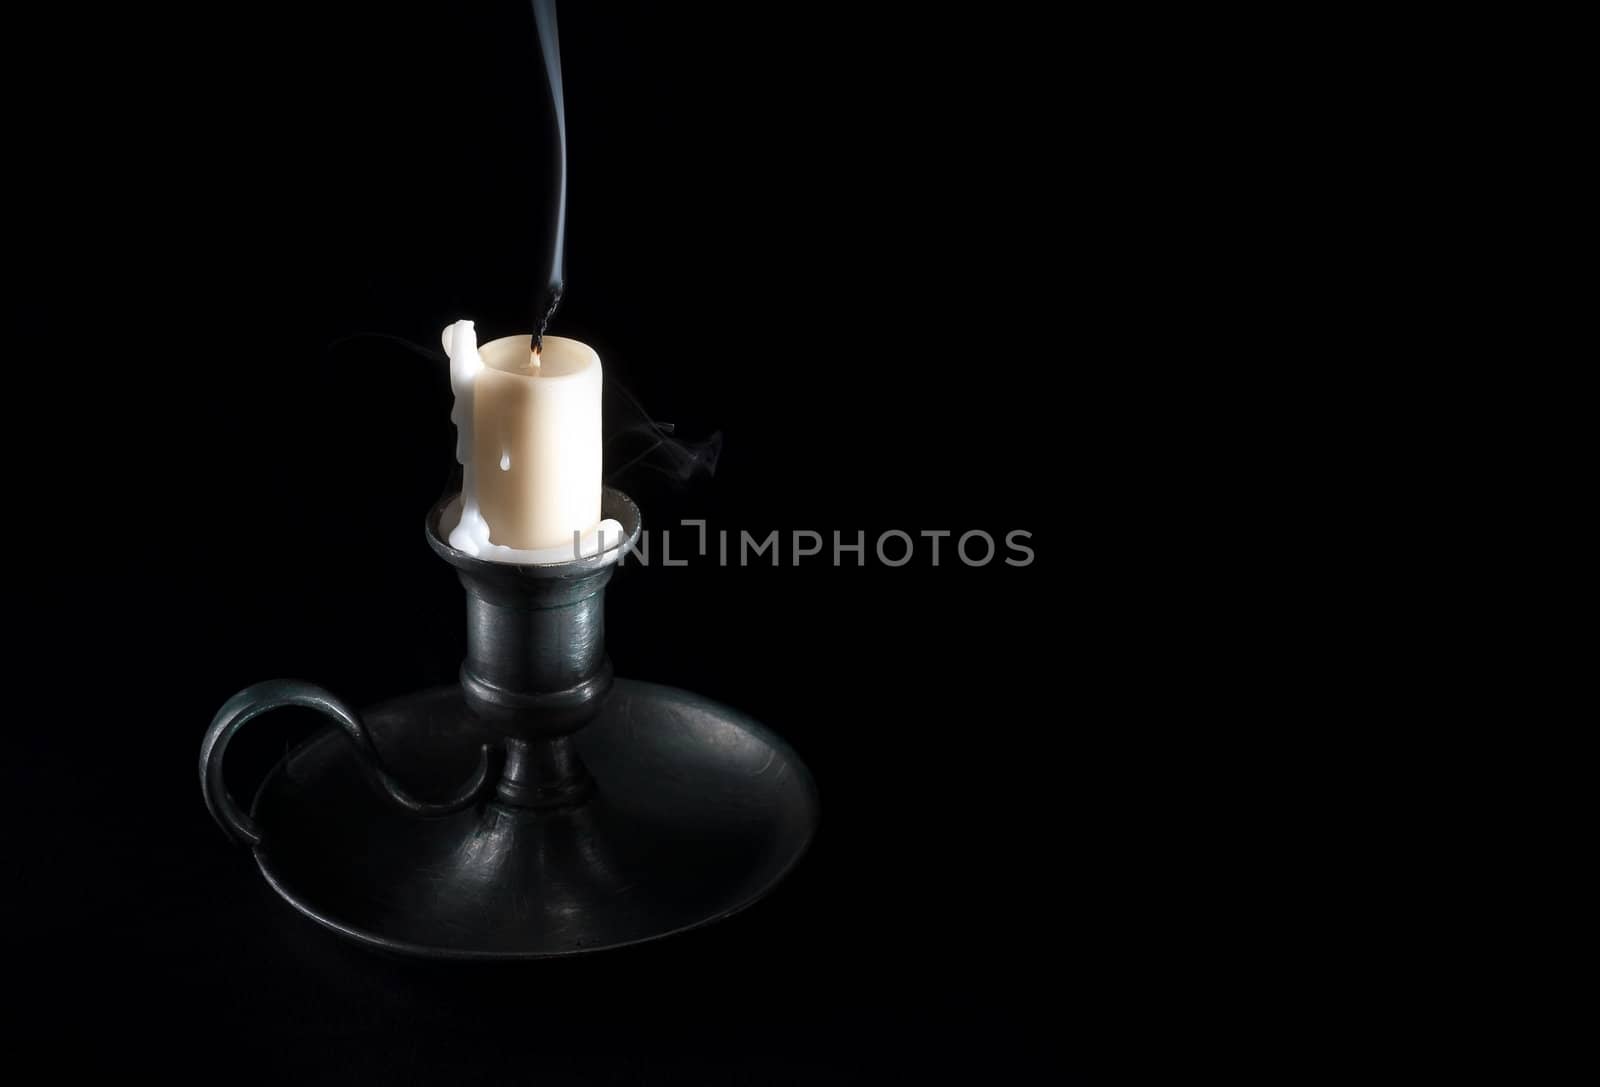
x=529, y=443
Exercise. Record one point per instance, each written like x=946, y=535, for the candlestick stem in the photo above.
x=543, y=774
x=536, y=669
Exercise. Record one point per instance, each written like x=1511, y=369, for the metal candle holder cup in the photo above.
x=577, y=811
x=536, y=668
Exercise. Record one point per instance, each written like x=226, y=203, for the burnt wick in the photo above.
x=542, y=321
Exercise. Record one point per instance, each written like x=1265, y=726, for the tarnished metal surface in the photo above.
x=596, y=812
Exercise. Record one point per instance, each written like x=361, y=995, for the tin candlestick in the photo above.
x=576, y=811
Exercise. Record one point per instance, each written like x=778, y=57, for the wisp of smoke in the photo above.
x=549, y=292
x=636, y=443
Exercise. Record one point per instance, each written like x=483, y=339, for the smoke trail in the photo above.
x=637, y=443
x=549, y=295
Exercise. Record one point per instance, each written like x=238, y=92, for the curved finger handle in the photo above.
x=276, y=693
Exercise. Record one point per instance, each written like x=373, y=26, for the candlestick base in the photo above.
x=695, y=813
x=542, y=807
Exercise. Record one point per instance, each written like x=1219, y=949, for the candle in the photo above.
x=529, y=444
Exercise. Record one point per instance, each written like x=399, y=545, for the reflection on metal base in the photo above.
x=695, y=812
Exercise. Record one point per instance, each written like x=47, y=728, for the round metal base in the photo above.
x=697, y=812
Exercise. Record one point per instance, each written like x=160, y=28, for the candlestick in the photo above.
x=578, y=812
x=597, y=812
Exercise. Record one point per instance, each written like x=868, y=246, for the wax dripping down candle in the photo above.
x=528, y=440
x=548, y=295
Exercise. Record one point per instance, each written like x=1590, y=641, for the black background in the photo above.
x=852, y=245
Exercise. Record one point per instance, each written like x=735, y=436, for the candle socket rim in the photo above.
x=613, y=505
